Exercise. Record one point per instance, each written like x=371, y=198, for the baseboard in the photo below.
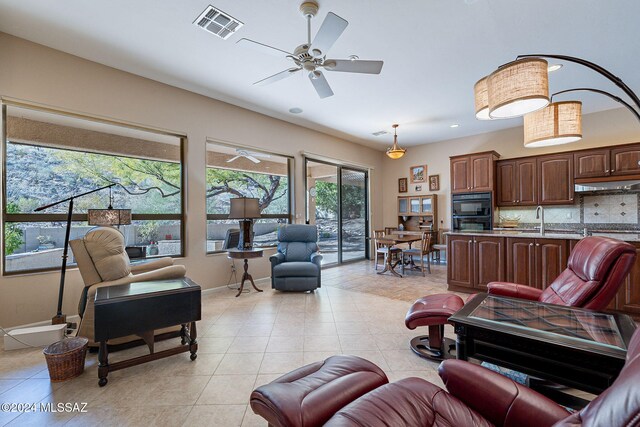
x=224, y=287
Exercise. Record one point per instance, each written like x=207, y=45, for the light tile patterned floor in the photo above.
x=243, y=342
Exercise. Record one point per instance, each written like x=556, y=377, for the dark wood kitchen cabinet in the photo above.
x=521, y=261
x=551, y=260
x=517, y=182
x=473, y=173
x=592, y=163
x=475, y=261
x=535, y=262
x=460, y=261
x=625, y=160
x=489, y=259
x=555, y=179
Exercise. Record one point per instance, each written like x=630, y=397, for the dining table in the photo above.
x=392, y=239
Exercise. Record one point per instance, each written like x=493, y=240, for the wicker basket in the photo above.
x=65, y=359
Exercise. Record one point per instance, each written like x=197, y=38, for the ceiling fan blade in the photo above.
x=261, y=47
x=357, y=66
x=329, y=31
x=320, y=84
x=253, y=159
x=233, y=158
x=278, y=76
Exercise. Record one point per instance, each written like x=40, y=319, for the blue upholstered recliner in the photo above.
x=296, y=266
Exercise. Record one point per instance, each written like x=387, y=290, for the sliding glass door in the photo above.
x=337, y=204
x=353, y=212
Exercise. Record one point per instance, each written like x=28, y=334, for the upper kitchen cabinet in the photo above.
x=555, y=179
x=592, y=163
x=517, y=182
x=625, y=160
x=603, y=162
x=473, y=173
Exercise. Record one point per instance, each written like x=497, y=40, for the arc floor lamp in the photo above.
x=521, y=88
x=122, y=219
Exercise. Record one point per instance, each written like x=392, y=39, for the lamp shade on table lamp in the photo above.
x=245, y=209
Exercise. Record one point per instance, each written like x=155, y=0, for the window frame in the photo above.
x=82, y=217
x=289, y=216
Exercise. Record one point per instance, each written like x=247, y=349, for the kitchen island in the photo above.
x=476, y=258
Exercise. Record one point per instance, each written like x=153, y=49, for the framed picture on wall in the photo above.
x=434, y=182
x=418, y=173
x=402, y=185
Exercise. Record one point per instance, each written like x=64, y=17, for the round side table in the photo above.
x=245, y=254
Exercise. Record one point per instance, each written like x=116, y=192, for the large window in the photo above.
x=49, y=157
x=237, y=172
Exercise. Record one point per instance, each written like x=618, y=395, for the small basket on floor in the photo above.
x=65, y=359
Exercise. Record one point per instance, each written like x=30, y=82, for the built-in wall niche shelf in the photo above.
x=415, y=212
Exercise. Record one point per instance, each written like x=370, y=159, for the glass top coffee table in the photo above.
x=571, y=346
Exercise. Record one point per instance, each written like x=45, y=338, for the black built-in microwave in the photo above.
x=472, y=211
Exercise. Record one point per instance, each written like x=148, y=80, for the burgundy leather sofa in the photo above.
x=595, y=270
x=336, y=393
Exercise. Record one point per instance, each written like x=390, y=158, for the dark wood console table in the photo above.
x=245, y=254
x=140, y=309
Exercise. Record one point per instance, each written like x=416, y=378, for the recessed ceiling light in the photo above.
x=455, y=125
x=295, y=110
x=554, y=67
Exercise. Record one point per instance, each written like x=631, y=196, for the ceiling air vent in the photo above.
x=380, y=132
x=217, y=22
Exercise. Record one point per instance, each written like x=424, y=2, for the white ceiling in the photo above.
x=433, y=52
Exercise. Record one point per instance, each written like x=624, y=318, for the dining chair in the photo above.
x=390, y=230
x=420, y=250
x=440, y=246
x=382, y=249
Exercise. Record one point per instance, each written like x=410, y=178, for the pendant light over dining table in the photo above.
x=395, y=151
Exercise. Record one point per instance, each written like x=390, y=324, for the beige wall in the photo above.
x=599, y=129
x=39, y=74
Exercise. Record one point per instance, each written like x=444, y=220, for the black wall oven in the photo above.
x=473, y=211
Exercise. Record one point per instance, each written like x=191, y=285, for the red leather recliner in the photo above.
x=596, y=268
x=319, y=394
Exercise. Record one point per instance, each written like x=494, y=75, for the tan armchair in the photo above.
x=103, y=261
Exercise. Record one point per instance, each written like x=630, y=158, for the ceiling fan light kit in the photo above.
x=311, y=56
x=395, y=151
x=521, y=88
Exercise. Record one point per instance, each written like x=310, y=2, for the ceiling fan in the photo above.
x=311, y=56
x=249, y=155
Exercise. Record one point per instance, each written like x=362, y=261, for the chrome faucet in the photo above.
x=540, y=216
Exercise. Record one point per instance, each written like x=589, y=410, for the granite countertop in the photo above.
x=627, y=237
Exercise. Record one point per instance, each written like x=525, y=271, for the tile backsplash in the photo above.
x=615, y=208
x=598, y=211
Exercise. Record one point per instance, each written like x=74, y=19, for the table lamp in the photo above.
x=245, y=209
